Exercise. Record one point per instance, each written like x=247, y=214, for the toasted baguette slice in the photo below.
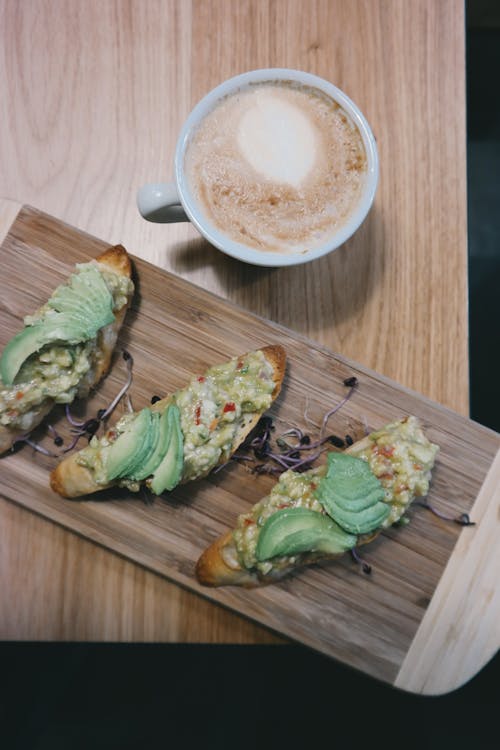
x=399, y=455
x=113, y=259
x=81, y=473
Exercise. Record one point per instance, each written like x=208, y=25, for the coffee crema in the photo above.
x=277, y=166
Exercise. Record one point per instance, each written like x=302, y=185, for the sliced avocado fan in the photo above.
x=131, y=448
x=76, y=312
x=168, y=473
x=353, y=500
x=151, y=446
x=156, y=442
x=352, y=495
x=294, y=530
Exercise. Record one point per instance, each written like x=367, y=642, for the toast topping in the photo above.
x=212, y=411
x=213, y=406
x=58, y=348
x=295, y=530
x=361, y=494
x=401, y=457
x=352, y=495
x=293, y=490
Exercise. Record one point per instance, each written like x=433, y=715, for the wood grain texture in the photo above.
x=75, y=590
x=445, y=648
x=82, y=136
x=93, y=97
x=176, y=330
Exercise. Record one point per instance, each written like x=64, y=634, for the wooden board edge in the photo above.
x=460, y=631
x=9, y=211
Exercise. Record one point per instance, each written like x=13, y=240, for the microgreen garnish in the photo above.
x=337, y=441
x=90, y=426
x=36, y=446
x=462, y=520
x=352, y=384
x=57, y=438
x=292, y=449
x=365, y=567
x=129, y=362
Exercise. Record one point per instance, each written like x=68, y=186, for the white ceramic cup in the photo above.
x=173, y=201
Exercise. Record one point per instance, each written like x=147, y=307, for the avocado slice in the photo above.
x=130, y=449
x=359, y=504
x=352, y=495
x=168, y=473
x=158, y=448
x=86, y=297
x=294, y=530
x=77, y=311
x=33, y=338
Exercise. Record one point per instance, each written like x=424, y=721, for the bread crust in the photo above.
x=218, y=566
x=115, y=259
x=212, y=568
x=72, y=480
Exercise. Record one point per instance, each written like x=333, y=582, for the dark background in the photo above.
x=61, y=696
x=483, y=171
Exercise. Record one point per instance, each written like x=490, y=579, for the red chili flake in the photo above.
x=283, y=505
x=201, y=379
x=418, y=467
x=19, y=395
x=240, y=364
x=314, y=486
x=197, y=414
x=385, y=450
x=230, y=406
x=249, y=521
x=387, y=475
x=111, y=435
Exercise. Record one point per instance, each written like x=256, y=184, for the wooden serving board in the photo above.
x=425, y=620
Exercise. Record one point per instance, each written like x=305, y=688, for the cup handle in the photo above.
x=160, y=202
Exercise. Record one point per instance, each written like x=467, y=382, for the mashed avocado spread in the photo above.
x=213, y=408
x=400, y=458
x=58, y=372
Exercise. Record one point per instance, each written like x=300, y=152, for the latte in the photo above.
x=277, y=166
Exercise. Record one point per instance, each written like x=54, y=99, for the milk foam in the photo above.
x=276, y=167
x=277, y=139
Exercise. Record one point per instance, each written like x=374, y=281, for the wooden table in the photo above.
x=93, y=96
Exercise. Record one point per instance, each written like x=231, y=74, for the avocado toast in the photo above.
x=66, y=346
x=181, y=437
x=323, y=512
